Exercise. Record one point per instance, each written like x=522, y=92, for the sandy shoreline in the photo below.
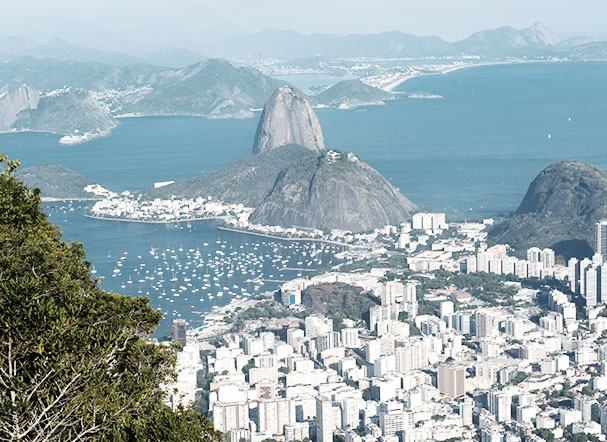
x=391, y=86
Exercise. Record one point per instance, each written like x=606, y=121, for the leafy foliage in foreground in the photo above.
x=73, y=361
x=338, y=301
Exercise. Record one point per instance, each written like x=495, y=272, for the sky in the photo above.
x=184, y=22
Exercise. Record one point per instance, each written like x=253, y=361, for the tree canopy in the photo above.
x=75, y=364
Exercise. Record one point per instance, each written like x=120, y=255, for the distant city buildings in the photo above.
x=419, y=365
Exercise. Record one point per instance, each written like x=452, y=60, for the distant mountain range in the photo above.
x=536, y=40
x=15, y=47
x=223, y=42
x=71, y=98
x=81, y=99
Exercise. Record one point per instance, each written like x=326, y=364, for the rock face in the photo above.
x=288, y=118
x=15, y=101
x=560, y=210
x=333, y=190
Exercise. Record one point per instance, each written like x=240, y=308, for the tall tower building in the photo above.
x=601, y=238
x=324, y=419
x=573, y=274
x=500, y=404
x=452, y=380
x=592, y=285
x=179, y=329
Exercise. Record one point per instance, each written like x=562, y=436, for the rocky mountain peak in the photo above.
x=541, y=34
x=559, y=210
x=15, y=101
x=332, y=190
x=288, y=118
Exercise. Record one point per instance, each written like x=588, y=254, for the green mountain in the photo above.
x=332, y=190
x=507, y=41
x=68, y=112
x=351, y=93
x=594, y=51
x=298, y=185
x=47, y=74
x=84, y=97
x=559, y=210
x=57, y=182
x=213, y=88
x=247, y=181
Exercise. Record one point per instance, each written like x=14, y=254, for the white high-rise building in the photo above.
x=391, y=292
x=318, y=325
x=547, y=257
x=383, y=365
x=372, y=350
x=592, y=280
x=515, y=327
x=465, y=411
x=584, y=405
x=230, y=416
x=324, y=419
x=392, y=422
x=446, y=310
x=411, y=356
x=525, y=414
x=500, y=403
x=452, y=380
x=487, y=323
x=350, y=412
x=573, y=274
x=349, y=338
x=533, y=254
x=327, y=341
x=429, y=221
x=274, y=414
x=584, y=264
x=410, y=293
x=601, y=238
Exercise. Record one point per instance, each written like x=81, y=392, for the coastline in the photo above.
x=391, y=86
x=267, y=235
x=102, y=218
x=50, y=199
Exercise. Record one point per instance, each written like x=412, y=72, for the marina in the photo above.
x=188, y=269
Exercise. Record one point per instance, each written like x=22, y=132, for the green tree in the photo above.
x=74, y=361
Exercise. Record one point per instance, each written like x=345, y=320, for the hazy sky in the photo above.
x=178, y=21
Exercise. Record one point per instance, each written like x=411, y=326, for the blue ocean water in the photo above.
x=186, y=268
x=472, y=153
